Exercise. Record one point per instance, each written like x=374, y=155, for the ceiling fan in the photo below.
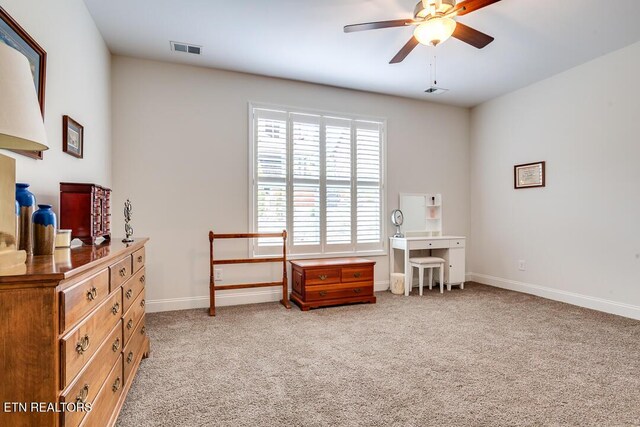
x=434, y=24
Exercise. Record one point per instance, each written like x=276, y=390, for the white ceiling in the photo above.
x=303, y=40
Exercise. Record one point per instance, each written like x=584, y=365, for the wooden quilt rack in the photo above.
x=212, y=286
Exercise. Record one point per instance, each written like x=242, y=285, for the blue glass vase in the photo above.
x=27, y=202
x=44, y=230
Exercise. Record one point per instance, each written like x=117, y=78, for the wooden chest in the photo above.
x=334, y=281
x=73, y=333
x=85, y=209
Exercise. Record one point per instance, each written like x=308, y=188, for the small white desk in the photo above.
x=451, y=248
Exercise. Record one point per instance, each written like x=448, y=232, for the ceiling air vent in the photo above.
x=186, y=48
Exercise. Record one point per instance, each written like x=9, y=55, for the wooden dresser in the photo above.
x=323, y=282
x=72, y=330
x=85, y=209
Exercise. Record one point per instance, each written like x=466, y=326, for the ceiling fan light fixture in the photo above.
x=435, y=31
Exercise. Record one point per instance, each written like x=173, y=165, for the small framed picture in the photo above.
x=72, y=137
x=529, y=175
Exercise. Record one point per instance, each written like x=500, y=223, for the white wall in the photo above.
x=579, y=236
x=78, y=84
x=181, y=154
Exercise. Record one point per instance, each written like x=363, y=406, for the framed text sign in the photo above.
x=529, y=175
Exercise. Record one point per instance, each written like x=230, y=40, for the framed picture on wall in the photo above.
x=72, y=137
x=12, y=34
x=529, y=175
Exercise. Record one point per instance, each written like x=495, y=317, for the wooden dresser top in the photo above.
x=330, y=262
x=67, y=263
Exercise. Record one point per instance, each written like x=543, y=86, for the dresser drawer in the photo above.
x=436, y=244
x=138, y=259
x=133, y=316
x=132, y=288
x=345, y=290
x=297, y=282
x=107, y=399
x=457, y=243
x=120, y=272
x=86, y=386
x=322, y=276
x=83, y=341
x=133, y=350
x=80, y=299
x=357, y=274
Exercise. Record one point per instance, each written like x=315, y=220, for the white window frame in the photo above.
x=366, y=249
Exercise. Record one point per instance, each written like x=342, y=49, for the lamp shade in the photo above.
x=21, y=125
x=435, y=31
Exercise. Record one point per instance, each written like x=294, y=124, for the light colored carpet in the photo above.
x=478, y=357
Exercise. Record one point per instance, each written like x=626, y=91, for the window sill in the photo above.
x=376, y=253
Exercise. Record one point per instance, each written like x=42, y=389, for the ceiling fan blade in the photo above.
x=376, y=25
x=469, y=6
x=473, y=37
x=406, y=50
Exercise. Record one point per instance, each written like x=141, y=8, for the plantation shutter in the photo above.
x=320, y=178
x=271, y=174
x=306, y=199
x=369, y=183
x=338, y=183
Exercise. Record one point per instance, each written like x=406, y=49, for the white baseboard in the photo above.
x=594, y=303
x=228, y=298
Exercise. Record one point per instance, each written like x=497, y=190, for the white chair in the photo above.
x=426, y=263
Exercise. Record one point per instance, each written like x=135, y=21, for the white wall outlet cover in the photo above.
x=217, y=274
x=522, y=265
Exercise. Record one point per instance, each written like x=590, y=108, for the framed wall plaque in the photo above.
x=72, y=137
x=529, y=175
x=12, y=34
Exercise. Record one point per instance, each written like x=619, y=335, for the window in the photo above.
x=320, y=177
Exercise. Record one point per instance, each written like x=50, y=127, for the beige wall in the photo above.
x=181, y=154
x=78, y=84
x=579, y=236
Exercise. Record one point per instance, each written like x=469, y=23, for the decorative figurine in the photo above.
x=128, y=228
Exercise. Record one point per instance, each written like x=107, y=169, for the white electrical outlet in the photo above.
x=522, y=265
x=217, y=274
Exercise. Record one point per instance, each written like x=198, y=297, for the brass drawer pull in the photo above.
x=116, y=308
x=357, y=274
x=130, y=357
x=92, y=293
x=83, y=344
x=142, y=279
x=323, y=293
x=123, y=272
x=129, y=294
x=116, y=345
x=322, y=277
x=130, y=324
x=82, y=396
x=140, y=258
x=143, y=330
x=357, y=290
x=142, y=303
x=116, y=385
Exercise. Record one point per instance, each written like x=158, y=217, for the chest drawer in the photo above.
x=322, y=276
x=132, y=288
x=83, y=341
x=107, y=399
x=357, y=274
x=80, y=299
x=133, y=316
x=133, y=351
x=344, y=290
x=138, y=259
x=119, y=272
x=86, y=386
